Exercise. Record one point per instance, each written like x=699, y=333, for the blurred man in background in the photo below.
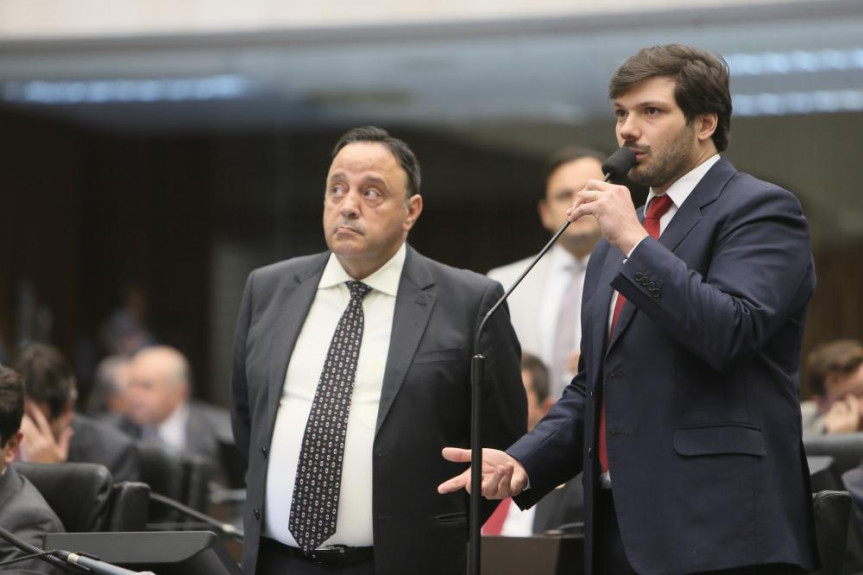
x=159, y=406
x=835, y=374
x=53, y=431
x=23, y=510
x=546, y=306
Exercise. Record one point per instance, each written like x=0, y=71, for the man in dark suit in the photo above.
x=685, y=412
x=53, y=432
x=159, y=406
x=23, y=510
x=409, y=323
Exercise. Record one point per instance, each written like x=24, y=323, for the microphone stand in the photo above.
x=622, y=158
x=64, y=560
x=223, y=528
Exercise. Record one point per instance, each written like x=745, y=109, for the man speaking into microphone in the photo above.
x=684, y=414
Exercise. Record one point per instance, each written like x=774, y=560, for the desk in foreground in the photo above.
x=538, y=555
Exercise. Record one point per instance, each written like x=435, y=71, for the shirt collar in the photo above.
x=680, y=190
x=562, y=260
x=385, y=279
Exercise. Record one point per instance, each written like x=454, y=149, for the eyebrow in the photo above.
x=645, y=104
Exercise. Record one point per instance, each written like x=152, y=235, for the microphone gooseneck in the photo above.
x=614, y=168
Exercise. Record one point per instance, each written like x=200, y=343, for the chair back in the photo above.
x=78, y=493
x=846, y=449
x=832, y=513
x=179, y=476
x=129, y=507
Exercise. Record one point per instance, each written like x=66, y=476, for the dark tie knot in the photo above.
x=359, y=290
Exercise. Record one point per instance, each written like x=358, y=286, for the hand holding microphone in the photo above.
x=611, y=204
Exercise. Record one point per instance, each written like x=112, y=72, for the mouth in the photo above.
x=344, y=229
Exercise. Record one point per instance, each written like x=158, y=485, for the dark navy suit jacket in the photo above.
x=701, y=386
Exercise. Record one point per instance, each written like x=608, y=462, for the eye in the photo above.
x=620, y=114
x=372, y=193
x=652, y=111
x=337, y=190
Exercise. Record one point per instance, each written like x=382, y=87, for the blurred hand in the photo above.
x=572, y=362
x=502, y=476
x=38, y=443
x=843, y=416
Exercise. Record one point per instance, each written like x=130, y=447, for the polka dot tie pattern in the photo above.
x=315, y=502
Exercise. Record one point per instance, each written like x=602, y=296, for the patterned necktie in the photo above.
x=315, y=503
x=657, y=208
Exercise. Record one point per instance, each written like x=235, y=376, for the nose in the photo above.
x=628, y=128
x=349, y=207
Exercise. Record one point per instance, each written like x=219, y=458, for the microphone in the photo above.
x=95, y=566
x=63, y=558
x=615, y=167
x=223, y=528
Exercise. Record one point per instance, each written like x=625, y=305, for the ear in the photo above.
x=415, y=208
x=11, y=448
x=705, y=126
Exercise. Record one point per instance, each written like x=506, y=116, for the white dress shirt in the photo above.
x=560, y=265
x=354, y=523
x=173, y=430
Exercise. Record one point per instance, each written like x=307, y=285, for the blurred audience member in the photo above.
x=53, y=432
x=159, y=405
x=108, y=396
x=126, y=331
x=563, y=507
x=546, y=307
x=23, y=510
x=835, y=375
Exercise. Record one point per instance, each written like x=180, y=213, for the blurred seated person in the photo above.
x=835, y=374
x=562, y=507
x=159, y=405
x=108, y=397
x=53, y=432
x=23, y=510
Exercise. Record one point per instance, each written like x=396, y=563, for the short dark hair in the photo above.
x=538, y=375
x=48, y=377
x=11, y=404
x=400, y=151
x=700, y=82
x=564, y=156
x=841, y=357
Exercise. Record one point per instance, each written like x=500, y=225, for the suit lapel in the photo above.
x=414, y=304
x=602, y=308
x=686, y=218
x=298, y=294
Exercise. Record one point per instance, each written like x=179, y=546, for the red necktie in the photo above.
x=657, y=208
x=494, y=524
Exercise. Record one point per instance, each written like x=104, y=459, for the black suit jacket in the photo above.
x=424, y=404
x=96, y=442
x=701, y=386
x=24, y=512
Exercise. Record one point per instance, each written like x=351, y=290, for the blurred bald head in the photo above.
x=159, y=383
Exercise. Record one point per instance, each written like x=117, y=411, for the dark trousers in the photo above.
x=273, y=561
x=610, y=557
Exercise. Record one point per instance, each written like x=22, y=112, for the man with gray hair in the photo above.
x=159, y=405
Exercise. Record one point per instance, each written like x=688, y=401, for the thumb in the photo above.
x=456, y=454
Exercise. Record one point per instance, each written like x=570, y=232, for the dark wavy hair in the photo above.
x=700, y=79
x=400, y=150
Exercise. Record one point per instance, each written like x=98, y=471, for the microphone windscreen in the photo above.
x=619, y=163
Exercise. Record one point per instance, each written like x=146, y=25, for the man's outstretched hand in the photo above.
x=502, y=476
